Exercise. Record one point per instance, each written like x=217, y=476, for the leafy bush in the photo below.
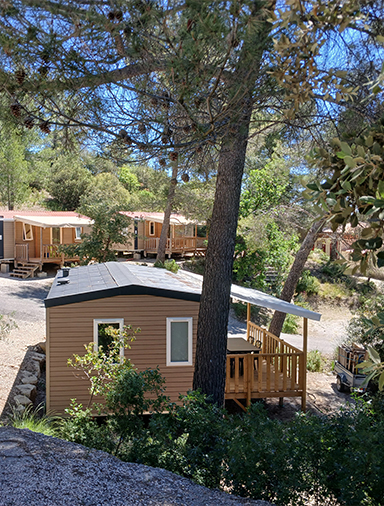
x=7, y=323
x=291, y=324
x=259, y=315
x=308, y=284
x=170, y=265
x=315, y=361
x=334, y=270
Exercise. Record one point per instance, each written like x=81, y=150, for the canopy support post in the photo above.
x=248, y=318
x=305, y=349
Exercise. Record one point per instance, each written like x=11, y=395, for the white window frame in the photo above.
x=25, y=238
x=110, y=321
x=78, y=235
x=152, y=223
x=189, y=320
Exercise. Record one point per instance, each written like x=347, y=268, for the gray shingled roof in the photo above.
x=123, y=278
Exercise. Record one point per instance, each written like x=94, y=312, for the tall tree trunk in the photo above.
x=294, y=274
x=167, y=215
x=214, y=307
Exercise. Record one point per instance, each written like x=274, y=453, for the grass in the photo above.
x=35, y=420
x=335, y=291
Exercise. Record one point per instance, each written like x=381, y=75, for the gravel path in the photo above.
x=21, y=300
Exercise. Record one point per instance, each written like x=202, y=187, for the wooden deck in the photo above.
x=277, y=370
x=177, y=245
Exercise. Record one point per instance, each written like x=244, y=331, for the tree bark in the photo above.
x=167, y=216
x=210, y=361
x=294, y=275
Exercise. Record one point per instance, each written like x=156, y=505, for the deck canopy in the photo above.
x=123, y=278
x=47, y=221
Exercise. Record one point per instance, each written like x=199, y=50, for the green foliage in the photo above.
x=13, y=166
x=108, y=229
x=354, y=191
x=334, y=271
x=68, y=182
x=291, y=324
x=315, y=361
x=308, y=284
x=190, y=440
x=256, y=256
x=129, y=179
x=35, y=420
x=265, y=187
x=170, y=265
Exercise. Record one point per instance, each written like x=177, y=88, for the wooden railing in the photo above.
x=175, y=244
x=51, y=251
x=278, y=370
x=22, y=252
x=250, y=376
x=268, y=342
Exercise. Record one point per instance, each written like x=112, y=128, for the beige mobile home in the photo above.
x=165, y=306
x=185, y=236
x=32, y=238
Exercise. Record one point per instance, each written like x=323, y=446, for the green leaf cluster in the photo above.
x=354, y=193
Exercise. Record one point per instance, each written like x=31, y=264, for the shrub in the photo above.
x=291, y=324
x=315, y=361
x=308, y=284
x=170, y=265
x=334, y=270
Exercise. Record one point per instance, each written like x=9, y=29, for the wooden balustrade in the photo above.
x=22, y=252
x=175, y=244
x=254, y=376
x=51, y=251
x=278, y=370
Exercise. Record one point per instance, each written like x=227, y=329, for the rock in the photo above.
x=33, y=366
x=37, y=356
x=42, y=346
x=42, y=274
x=28, y=390
x=22, y=400
x=27, y=377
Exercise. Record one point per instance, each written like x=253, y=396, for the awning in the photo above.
x=175, y=219
x=55, y=221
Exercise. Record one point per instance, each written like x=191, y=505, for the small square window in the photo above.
x=101, y=336
x=179, y=341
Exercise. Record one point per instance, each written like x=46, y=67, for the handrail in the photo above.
x=269, y=342
x=51, y=251
x=257, y=375
x=21, y=252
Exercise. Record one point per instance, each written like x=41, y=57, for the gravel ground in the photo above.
x=37, y=470
x=22, y=300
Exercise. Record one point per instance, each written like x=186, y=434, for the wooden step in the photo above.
x=25, y=271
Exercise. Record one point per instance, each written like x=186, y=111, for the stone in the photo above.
x=42, y=274
x=28, y=390
x=27, y=377
x=33, y=366
x=37, y=356
x=22, y=400
x=42, y=346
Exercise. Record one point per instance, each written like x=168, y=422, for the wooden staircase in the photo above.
x=24, y=270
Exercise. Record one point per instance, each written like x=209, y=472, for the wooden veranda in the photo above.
x=274, y=369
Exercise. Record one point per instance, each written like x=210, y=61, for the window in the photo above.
x=77, y=233
x=27, y=232
x=179, y=341
x=101, y=337
x=151, y=228
x=56, y=235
